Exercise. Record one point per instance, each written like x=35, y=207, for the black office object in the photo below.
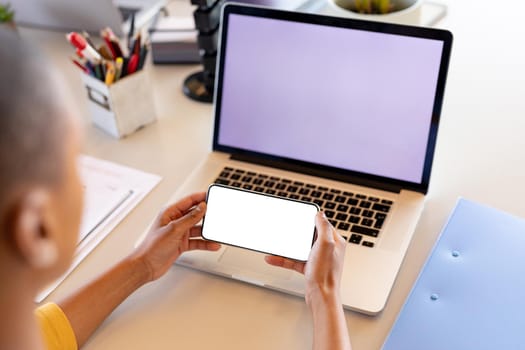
x=199, y=86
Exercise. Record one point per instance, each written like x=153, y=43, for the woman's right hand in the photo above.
x=324, y=267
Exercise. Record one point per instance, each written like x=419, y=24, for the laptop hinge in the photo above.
x=316, y=171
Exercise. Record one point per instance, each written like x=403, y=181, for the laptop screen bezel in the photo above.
x=319, y=169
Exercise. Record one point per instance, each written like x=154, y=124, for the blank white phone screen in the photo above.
x=255, y=221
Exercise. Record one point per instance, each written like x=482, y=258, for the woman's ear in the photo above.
x=30, y=229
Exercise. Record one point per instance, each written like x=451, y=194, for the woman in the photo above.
x=40, y=211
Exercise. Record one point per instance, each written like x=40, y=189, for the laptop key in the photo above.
x=355, y=210
x=380, y=216
x=341, y=216
x=292, y=189
x=330, y=205
x=306, y=199
x=340, y=199
x=343, y=226
x=367, y=222
x=348, y=194
x=354, y=219
x=368, y=213
x=356, y=239
x=282, y=194
x=235, y=177
x=293, y=196
x=247, y=187
x=222, y=181
x=246, y=179
x=236, y=184
x=318, y=202
x=333, y=222
x=329, y=213
x=368, y=244
x=386, y=201
x=336, y=191
x=270, y=191
x=360, y=196
x=258, y=181
x=365, y=204
x=328, y=196
x=381, y=207
x=280, y=186
x=365, y=230
x=379, y=223
x=310, y=186
x=269, y=184
x=304, y=191
x=315, y=194
x=343, y=208
x=259, y=189
x=352, y=201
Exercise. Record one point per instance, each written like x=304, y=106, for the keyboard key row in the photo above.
x=347, y=211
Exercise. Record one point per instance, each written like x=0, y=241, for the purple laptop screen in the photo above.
x=343, y=98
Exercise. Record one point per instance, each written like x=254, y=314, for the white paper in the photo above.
x=111, y=192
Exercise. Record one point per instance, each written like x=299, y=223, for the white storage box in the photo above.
x=123, y=107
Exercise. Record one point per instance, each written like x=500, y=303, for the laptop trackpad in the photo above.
x=251, y=266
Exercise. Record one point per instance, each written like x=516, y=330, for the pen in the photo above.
x=105, y=35
x=142, y=57
x=88, y=38
x=131, y=31
x=136, y=45
x=110, y=74
x=104, y=52
x=133, y=64
x=83, y=47
x=118, y=67
x=115, y=42
x=80, y=65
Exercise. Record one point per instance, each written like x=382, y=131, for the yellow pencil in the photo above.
x=118, y=67
x=110, y=74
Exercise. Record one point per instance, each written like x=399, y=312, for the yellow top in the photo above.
x=56, y=329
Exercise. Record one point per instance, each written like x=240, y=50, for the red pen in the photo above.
x=83, y=47
x=105, y=35
x=80, y=65
x=133, y=64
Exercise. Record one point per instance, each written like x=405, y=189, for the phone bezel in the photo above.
x=257, y=194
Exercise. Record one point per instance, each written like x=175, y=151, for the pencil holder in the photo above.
x=123, y=107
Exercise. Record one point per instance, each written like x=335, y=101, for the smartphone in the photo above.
x=260, y=222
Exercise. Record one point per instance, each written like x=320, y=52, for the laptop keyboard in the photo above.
x=359, y=217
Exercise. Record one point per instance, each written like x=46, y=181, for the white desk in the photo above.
x=480, y=155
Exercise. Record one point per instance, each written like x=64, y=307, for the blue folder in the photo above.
x=471, y=291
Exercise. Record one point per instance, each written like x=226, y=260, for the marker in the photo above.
x=133, y=64
x=105, y=35
x=83, y=47
x=110, y=74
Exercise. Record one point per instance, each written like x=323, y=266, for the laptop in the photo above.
x=92, y=16
x=337, y=111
